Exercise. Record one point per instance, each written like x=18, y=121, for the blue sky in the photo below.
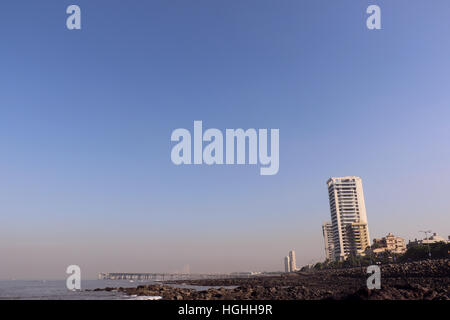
x=86, y=118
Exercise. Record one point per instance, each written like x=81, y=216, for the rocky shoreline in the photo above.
x=422, y=280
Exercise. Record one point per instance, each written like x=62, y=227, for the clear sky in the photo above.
x=86, y=118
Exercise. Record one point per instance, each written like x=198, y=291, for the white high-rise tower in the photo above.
x=327, y=230
x=287, y=267
x=348, y=216
x=292, y=262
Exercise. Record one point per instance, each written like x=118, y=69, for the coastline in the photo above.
x=421, y=280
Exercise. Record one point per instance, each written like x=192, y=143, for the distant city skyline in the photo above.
x=86, y=117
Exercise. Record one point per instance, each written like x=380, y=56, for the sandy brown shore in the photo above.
x=422, y=280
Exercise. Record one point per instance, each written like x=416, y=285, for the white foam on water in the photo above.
x=136, y=297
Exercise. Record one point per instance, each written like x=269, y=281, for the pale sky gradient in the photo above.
x=86, y=118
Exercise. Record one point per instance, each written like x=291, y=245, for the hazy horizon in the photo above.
x=86, y=117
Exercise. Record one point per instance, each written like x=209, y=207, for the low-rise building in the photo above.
x=357, y=238
x=435, y=238
x=389, y=243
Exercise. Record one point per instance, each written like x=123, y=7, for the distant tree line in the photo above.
x=440, y=250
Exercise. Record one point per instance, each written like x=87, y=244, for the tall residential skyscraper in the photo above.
x=348, y=216
x=287, y=267
x=292, y=264
x=327, y=230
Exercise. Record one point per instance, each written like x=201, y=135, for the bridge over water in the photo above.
x=171, y=276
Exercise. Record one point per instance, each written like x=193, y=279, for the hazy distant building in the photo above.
x=186, y=269
x=435, y=238
x=327, y=231
x=292, y=263
x=287, y=267
x=389, y=243
x=348, y=216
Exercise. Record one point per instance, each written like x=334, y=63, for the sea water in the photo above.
x=57, y=290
